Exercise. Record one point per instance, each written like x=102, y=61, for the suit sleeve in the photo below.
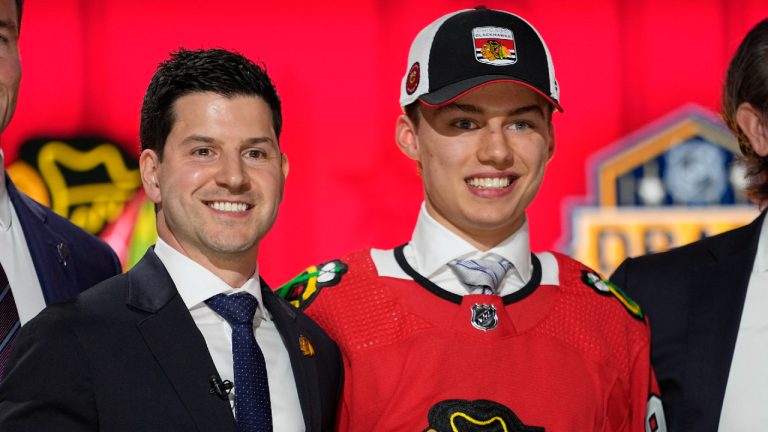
x=47, y=387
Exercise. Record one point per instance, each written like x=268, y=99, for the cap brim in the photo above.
x=451, y=92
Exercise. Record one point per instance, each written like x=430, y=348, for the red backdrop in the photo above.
x=338, y=65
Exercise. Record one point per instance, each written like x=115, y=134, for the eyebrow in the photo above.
x=474, y=109
x=210, y=140
x=9, y=25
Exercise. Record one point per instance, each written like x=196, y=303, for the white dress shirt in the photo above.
x=16, y=259
x=433, y=246
x=747, y=389
x=195, y=285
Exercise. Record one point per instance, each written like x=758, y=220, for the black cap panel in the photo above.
x=454, y=58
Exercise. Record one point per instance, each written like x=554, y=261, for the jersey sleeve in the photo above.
x=647, y=411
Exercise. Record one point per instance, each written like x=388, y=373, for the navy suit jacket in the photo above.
x=67, y=259
x=129, y=357
x=693, y=296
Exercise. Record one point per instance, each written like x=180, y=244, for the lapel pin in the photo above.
x=63, y=251
x=306, y=346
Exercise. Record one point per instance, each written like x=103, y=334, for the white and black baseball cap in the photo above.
x=470, y=48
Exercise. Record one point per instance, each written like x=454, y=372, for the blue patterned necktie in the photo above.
x=481, y=276
x=252, y=406
x=9, y=320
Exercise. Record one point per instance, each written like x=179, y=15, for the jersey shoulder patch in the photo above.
x=304, y=288
x=606, y=287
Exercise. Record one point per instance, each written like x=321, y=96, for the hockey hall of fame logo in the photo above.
x=671, y=183
x=484, y=317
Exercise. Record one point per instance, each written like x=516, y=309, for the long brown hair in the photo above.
x=747, y=81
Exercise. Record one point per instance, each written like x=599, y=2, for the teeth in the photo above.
x=488, y=183
x=228, y=206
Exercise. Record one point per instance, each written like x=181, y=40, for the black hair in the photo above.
x=190, y=71
x=19, y=7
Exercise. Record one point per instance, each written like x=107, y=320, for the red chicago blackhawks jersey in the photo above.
x=571, y=356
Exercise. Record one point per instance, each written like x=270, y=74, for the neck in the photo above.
x=233, y=268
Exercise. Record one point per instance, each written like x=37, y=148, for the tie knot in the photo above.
x=236, y=308
x=483, y=275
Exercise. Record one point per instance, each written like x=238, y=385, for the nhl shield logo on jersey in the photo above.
x=457, y=415
x=301, y=290
x=606, y=287
x=484, y=317
x=494, y=46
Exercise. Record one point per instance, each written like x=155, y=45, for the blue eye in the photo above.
x=521, y=125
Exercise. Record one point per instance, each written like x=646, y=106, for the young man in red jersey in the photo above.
x=463, y=328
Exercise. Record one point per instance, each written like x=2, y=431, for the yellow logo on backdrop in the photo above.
x=93, y=183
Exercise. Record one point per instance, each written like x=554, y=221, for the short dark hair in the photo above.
x=412, y=112
x=747, y=81
x=190, y=71
x=19, y=7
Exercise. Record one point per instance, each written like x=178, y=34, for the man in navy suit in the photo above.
x=706, y=301
x=156, y=349
x=44, y=258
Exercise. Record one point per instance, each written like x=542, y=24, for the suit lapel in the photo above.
x=717, y=293
x=177, y=344
x=49, y=251
x=304, y=367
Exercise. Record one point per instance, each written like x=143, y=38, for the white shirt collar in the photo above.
x=761, y=258
x=435, y=246
x=196, y=284
x=5, y=200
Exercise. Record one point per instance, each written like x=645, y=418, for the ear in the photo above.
x=405, y=135
x=551, y=143
x=149, y=165
x=284, y=166
x=752, y=123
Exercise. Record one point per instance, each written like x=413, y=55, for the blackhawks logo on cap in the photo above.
x=494, y=46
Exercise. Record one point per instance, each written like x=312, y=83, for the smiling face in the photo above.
x=482, y=159
x=219, y=183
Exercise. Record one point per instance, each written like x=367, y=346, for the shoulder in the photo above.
x=595, y=317
x=579, y=279
x=699, y=252
x=82, y=244
x=82, y=240
x=307, y=286
x=311, y=335
x=668, y=272
x=100, y=303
